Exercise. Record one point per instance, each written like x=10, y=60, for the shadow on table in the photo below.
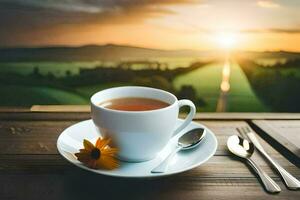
x=79, y=184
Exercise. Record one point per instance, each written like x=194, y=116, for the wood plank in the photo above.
x=30, y=168
x=62, y=112
x=78, y=184
x=284, y=132
x=14, y=109
x=205, y=115
x=60, y=108
x=224, y=129
x=38, y=138
x=245, y=116
x=218, y=166
x=60, y=116
x=32, y=137
x=222, y=177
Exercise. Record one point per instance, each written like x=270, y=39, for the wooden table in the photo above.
x=31, y=168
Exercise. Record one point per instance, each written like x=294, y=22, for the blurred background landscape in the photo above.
x=61, y=52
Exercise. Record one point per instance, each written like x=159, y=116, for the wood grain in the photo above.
x=39, y=136
x=60, y=108
x=285, y=132
x=31, y=168
x=222, y=177
x=30, y=137
x=62, y=112
x=210, y=115
x=84, y=185
x=216, y=167
x=32, y=116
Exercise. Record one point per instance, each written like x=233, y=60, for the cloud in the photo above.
x=95, y=6
x=24, y=18
x=273, y=30
x=267, y=4
x=25, y=15
x=290, y=31
x=52, y=12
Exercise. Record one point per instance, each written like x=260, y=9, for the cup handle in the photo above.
x=190, y=116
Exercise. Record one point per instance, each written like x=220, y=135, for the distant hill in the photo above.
x=110, y=52
x=271, y=54
x=90, y=53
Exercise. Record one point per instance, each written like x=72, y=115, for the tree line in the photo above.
x=277, y=86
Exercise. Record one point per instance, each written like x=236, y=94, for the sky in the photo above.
x=257, y=25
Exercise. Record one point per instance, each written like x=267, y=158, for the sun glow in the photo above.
x=227, y=40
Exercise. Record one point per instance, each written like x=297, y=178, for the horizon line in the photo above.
x=134, y=46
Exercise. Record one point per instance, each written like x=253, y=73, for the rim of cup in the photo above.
x=96, y=104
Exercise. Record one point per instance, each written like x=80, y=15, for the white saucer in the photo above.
x=70, y=141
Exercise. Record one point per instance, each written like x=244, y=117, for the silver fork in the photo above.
x=290, y=181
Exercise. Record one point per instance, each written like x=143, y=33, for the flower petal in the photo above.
x=82, y=154
x=101, y=143
x=109, y=151
x=107, y=158
x=84, y=151
x=107, y=162
x=88, y=145
x=83, y=157
x=92, y=164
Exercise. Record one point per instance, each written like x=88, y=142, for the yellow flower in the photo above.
x=98, y=156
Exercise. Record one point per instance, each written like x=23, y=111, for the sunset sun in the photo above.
x=227, y=40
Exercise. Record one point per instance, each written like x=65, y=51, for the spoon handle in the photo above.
x=268, y=182
x=290, y=181
x=163, y=166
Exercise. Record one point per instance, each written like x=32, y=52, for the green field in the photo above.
x=207, y=81
x=32, y=95
x=70, y=75
x=241, y=97
x=24, y=96
x=57, y=68
x=88, y=91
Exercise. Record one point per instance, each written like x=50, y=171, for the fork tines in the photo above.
x=243, y=131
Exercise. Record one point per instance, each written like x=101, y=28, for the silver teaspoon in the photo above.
x=245, y=149
x=188, y=140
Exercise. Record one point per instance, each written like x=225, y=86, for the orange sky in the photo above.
x=172, y=24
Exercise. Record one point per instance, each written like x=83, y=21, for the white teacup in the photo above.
x=139, y=135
